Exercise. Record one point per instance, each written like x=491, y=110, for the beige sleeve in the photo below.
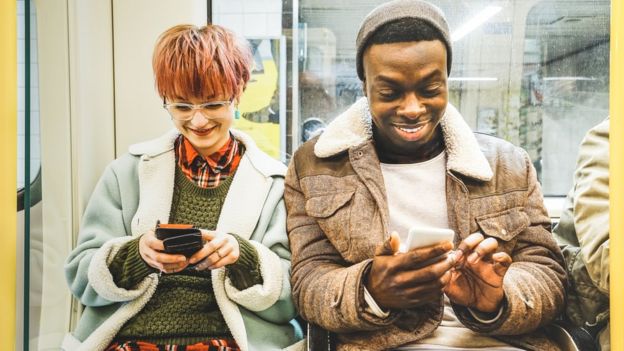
x=591, y=204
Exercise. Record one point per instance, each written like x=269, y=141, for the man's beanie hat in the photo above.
x=399, y=9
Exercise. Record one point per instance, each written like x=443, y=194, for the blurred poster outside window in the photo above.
x=260, y=104
x=263, y=104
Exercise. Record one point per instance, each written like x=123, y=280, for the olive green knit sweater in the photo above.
x=183, y=309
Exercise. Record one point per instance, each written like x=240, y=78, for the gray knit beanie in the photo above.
x=399, y=9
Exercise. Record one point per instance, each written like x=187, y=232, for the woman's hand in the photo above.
x=151, y=250
x=220, y=249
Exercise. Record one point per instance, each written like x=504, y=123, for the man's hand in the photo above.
x=405, y=280
x=151, y=250
x=477, y=279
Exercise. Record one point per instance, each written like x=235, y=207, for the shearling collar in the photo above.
x=354, y=127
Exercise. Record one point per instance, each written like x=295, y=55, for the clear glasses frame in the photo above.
x=182, y=111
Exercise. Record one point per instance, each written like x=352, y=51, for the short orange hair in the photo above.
x=201, y=62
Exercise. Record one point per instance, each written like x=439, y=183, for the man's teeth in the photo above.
x=410, y=130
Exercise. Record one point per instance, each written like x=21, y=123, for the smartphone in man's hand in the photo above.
x=425, y=236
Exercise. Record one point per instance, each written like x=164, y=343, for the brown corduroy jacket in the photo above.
x=338, y=215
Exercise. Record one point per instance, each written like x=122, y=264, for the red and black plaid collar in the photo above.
x=208, y=172
x=189, y=158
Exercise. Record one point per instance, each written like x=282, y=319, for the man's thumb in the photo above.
x=390, y=246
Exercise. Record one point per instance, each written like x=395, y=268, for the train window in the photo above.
x=532, y=72
x=565, y=86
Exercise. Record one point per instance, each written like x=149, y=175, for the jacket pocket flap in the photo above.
x=504, y=225
x=323, y=206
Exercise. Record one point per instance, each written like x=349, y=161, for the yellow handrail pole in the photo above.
x=616, y=176
x=8, y=164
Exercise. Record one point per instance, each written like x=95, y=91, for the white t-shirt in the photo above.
x=416, y=194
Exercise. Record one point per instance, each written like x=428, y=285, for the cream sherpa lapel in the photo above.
x=353, y=127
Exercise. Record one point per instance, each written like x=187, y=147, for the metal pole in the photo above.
x=8, y=163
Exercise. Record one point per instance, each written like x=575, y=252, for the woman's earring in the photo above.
x=236, y=114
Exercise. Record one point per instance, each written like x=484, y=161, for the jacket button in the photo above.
x=503, y=232
x=360, y=154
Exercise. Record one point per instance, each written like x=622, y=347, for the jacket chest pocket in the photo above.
x=332, y=213
x=504, y=226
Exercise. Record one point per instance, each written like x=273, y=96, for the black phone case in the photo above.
x=184, y=241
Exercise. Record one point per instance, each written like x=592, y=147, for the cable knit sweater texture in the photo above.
x=183, y=309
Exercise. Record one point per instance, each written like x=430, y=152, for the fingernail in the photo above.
x=473, y=257
x=458, y=254
x=451, y=258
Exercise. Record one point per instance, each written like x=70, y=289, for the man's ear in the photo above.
x=364, y=87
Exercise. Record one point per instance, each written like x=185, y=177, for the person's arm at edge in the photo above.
x=591, y=204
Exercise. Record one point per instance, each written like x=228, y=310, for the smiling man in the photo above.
x=403, y=157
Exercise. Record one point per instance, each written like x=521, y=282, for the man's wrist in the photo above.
x=366, y=299
x=372, y=306
x=487, y=317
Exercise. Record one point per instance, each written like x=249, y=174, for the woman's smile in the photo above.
x=203, y=131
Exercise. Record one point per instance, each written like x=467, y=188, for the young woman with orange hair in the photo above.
x=233, y=293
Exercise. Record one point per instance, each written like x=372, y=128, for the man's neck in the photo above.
x=424, y=153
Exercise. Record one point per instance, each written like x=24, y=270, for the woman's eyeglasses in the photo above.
x=182, y=111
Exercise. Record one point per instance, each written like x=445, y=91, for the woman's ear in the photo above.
x=240, y=93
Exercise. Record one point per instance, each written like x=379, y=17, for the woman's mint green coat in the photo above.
x=134, y=192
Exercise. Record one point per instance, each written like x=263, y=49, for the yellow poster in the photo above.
x=259, y=105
